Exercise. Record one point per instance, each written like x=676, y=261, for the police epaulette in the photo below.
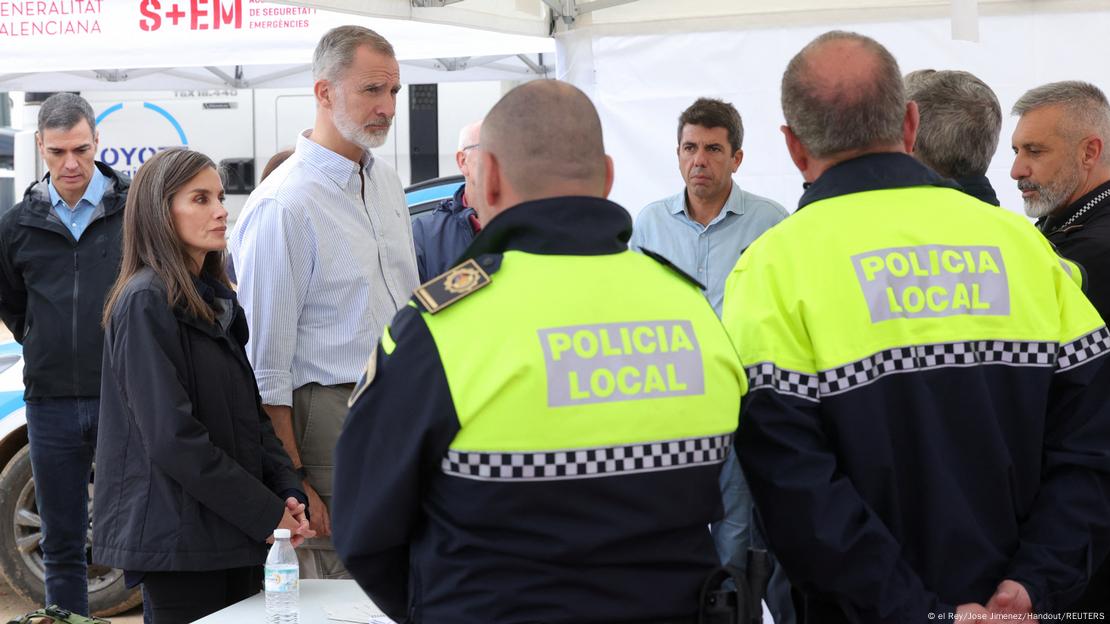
x=667, y=263
x=458, y=282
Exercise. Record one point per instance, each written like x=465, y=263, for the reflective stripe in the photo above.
x=926, y=281
x=606, y=461
x=621, y=361
x=1085, y=348
x=767, y=375
x=923, y=357
x=388, y=344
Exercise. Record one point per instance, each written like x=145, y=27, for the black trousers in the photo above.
x=183, y=597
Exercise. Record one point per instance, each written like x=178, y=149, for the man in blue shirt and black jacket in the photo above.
x=59, y=255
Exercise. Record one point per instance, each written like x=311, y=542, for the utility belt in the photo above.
x=742, y=603
x=56, y=615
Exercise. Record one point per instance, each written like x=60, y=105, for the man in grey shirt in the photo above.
x=324, y=255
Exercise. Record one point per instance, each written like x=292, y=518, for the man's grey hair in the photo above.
x=65, y=110
x=1088, y=110
x=831, y=118
x=960, y=121
x=336, y=50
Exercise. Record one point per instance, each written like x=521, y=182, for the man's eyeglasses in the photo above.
x=467, y=147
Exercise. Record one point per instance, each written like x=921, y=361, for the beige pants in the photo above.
x=318, y=415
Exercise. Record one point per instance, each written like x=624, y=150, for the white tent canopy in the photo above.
x=644, y=61
x=82, y=45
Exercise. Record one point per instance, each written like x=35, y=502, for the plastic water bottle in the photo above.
x=283, y=577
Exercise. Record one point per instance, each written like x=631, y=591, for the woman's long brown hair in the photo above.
x=150, y=240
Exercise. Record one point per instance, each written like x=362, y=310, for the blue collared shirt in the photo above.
x=77, y=218
x=706, y=253
x=324, y=255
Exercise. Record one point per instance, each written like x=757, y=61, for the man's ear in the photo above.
x=910, y=125
x=489, y=173
x=798, y=153
x=460, y=161
x=324, y=93
x=1091, y=155
x=38, y=144
x=609, y=176
x=737, y=158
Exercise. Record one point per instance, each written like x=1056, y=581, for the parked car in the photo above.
x=20, y=528
x=425, y=196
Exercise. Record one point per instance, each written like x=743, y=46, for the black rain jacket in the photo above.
x=189, y=475
x=52, y=288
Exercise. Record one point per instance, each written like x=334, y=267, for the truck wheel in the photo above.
x=20, y=537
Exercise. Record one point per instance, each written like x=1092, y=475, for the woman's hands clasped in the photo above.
x=295, y=520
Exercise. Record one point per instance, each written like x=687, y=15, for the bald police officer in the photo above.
x=559, y=465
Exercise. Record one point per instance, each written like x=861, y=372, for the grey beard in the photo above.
x=355, y=133
x=1051, y=196
x=360, y=136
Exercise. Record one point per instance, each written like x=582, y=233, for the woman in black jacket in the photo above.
x=190, y=478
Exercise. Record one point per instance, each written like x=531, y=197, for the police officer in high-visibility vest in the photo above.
x=927, y=431
x=539, y=434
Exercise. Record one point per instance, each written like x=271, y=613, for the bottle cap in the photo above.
x=281, y=534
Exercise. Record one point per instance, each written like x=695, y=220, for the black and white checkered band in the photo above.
x=924, y=357
x=607, y=461
x=783, y=381
x=1087, y=347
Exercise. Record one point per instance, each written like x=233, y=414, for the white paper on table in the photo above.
x=363, y=612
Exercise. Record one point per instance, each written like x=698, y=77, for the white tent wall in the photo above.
x=641, y=83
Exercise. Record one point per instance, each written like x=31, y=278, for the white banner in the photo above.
x=74, y=35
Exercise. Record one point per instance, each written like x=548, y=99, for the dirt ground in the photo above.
x=12, y=605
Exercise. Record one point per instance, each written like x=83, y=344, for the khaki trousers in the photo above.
x=318, y=415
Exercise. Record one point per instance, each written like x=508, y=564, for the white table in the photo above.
x=315, y=595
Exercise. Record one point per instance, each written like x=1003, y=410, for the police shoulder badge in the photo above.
x=453, y=285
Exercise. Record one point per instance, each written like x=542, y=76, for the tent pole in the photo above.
x=228, y=80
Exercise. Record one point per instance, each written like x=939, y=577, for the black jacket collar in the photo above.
x=1052, y=223
x=872, y=172
x=980, y=188
x=573, y=226
x=454, y=204
x=36, y=198
x=221, y=299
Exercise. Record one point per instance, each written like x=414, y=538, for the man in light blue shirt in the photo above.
x=703, y=229
x=324, y=255
x=702, y=232
x=77, y=218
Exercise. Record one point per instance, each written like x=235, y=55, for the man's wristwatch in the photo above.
x=302, y=472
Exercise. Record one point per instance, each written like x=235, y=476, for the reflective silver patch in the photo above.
x=933, y=280
x=621, y=362
x=366, y=379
